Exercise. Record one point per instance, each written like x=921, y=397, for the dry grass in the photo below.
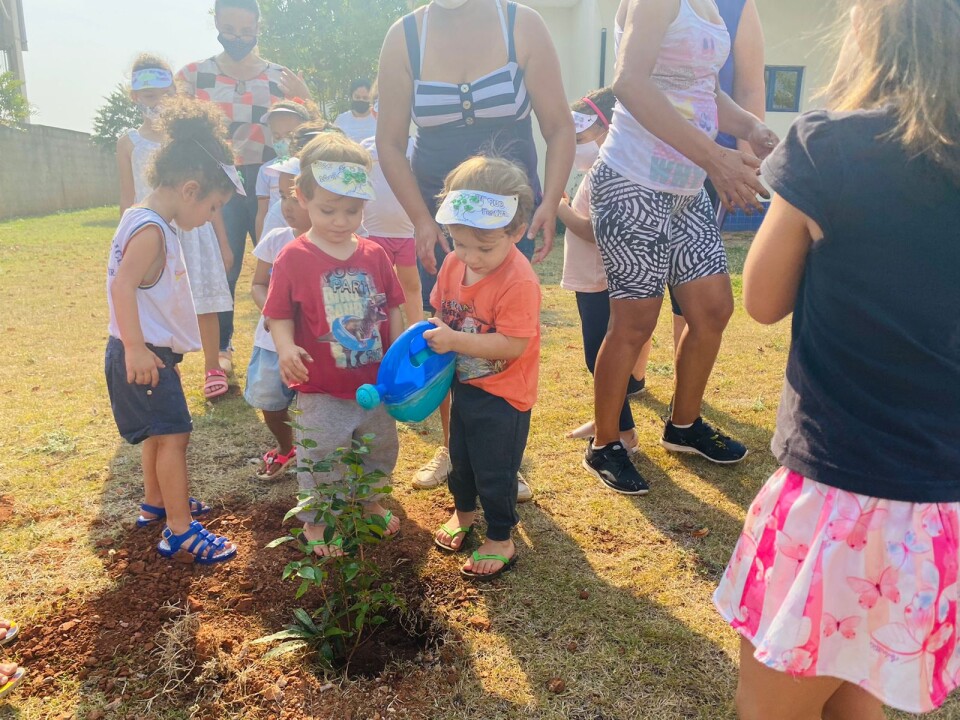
x=612, y=594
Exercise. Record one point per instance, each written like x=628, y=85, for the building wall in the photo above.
x=46, y=170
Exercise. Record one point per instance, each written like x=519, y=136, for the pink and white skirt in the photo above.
x=825, y=582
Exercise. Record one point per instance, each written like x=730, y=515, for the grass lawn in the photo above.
x=612, y=595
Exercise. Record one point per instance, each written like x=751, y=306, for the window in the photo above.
x=784, y=87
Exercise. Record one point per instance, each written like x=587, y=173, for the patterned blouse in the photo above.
x=243, y=102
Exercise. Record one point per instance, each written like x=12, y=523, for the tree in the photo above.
x=117, y=114
x=14, y=109
x=330, y=41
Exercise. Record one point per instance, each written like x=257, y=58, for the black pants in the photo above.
x=487, y=439
x=594, y=309
x=240, y=219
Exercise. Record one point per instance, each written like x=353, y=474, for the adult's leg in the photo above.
x=410, y=282
x=236, y=221
x=632, y=323
x=707, y=306
x=594, y=310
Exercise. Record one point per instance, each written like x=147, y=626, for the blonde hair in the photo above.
x=497, y=176
x=329, y=147
x=909, y=57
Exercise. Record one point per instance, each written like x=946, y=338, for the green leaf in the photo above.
x=308, y=444
x=279, y=541
x=286, y=648
x=288, y=634
x=303, y=617
x=302, y=590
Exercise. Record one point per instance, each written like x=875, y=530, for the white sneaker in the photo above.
x=434, y=472
x=524, y=493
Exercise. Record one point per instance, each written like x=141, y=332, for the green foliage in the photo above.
x=354, y=600
x=117, y=114
x=14, y=109
x=332, y=42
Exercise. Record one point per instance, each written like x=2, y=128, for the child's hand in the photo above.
x=443, y=338
x=293, y=371
x=143, y=366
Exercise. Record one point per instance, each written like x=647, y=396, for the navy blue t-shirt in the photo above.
x=871, y=402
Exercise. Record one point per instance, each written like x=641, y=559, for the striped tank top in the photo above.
x=491, y=114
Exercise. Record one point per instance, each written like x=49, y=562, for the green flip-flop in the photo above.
x=453, y=534
x=508, y=564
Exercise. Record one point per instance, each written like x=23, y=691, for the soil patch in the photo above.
x=177, y=635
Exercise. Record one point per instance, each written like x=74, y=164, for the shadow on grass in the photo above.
x=618, y=652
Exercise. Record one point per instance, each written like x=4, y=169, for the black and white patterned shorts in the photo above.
x=649, y=238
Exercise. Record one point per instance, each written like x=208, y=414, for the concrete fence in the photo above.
x=46, y=169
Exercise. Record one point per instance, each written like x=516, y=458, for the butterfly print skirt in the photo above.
x=824, y=582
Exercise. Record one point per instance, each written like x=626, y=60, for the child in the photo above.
x=283, y=119
x=487, y=300
x=205, y=250
x=582, y=265
x=265, y=390
x=386, y=223
x=843, y=584
x=333, y=308
x=153, y=322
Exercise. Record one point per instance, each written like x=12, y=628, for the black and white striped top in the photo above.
x=499, y=95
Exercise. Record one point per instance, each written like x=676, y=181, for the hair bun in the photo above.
x=186, y=120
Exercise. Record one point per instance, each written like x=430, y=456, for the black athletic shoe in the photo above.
x=612, y=465
x=636, y=387
x=701, y=439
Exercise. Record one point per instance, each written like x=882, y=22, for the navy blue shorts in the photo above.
x=142, y=411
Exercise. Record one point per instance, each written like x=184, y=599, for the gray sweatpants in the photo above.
x=334, y=423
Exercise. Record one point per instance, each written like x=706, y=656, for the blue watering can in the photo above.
x=413, y=380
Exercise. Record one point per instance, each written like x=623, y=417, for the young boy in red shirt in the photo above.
x=333, y=309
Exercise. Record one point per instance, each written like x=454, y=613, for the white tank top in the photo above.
x=692, y=53
x=143, y=151
x=167, y=315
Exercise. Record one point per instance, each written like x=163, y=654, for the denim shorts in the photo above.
x=265, y=390
x=142, y=411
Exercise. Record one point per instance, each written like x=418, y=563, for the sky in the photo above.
x=80, y=49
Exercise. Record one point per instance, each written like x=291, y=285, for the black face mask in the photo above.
x=360, y=107
x=237, y=48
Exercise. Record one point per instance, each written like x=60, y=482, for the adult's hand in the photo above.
x=428, y=235
x=545, y=219
x=293, y=85
x=762, y=140
x=734, y=174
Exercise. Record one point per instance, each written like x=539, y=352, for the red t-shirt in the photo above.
x=340, y=310
x=506, y=301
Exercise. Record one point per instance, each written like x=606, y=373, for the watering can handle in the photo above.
x=418, y=345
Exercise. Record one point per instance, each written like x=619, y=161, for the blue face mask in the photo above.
x=282, y=148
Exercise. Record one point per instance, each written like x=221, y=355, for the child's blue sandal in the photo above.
x=206, y=547
x=197, y=509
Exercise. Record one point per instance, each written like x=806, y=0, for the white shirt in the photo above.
x=268, y=184
x=267, y=250
x=167, y=315
x=273, y=220
x=357, y=129
x=385, y=216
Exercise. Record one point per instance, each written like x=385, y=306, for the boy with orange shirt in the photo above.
x=487, y=299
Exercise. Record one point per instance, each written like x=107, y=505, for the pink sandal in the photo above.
x=274, y=463
x=216, y=384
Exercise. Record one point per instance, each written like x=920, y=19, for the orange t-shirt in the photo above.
x=507, y=301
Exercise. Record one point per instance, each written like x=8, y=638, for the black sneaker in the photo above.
x=612, y=465
x=636, y=387
x=701, y=439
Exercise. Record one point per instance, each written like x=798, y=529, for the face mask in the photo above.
x=450, y=4
x=360, y=106
x=237, y=48
x=149, y=113
x=586, y=155
x=282, y=148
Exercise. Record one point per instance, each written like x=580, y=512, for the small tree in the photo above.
x=331, y=42
x=353, y=598
x=117, y=114
x=14, y=109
